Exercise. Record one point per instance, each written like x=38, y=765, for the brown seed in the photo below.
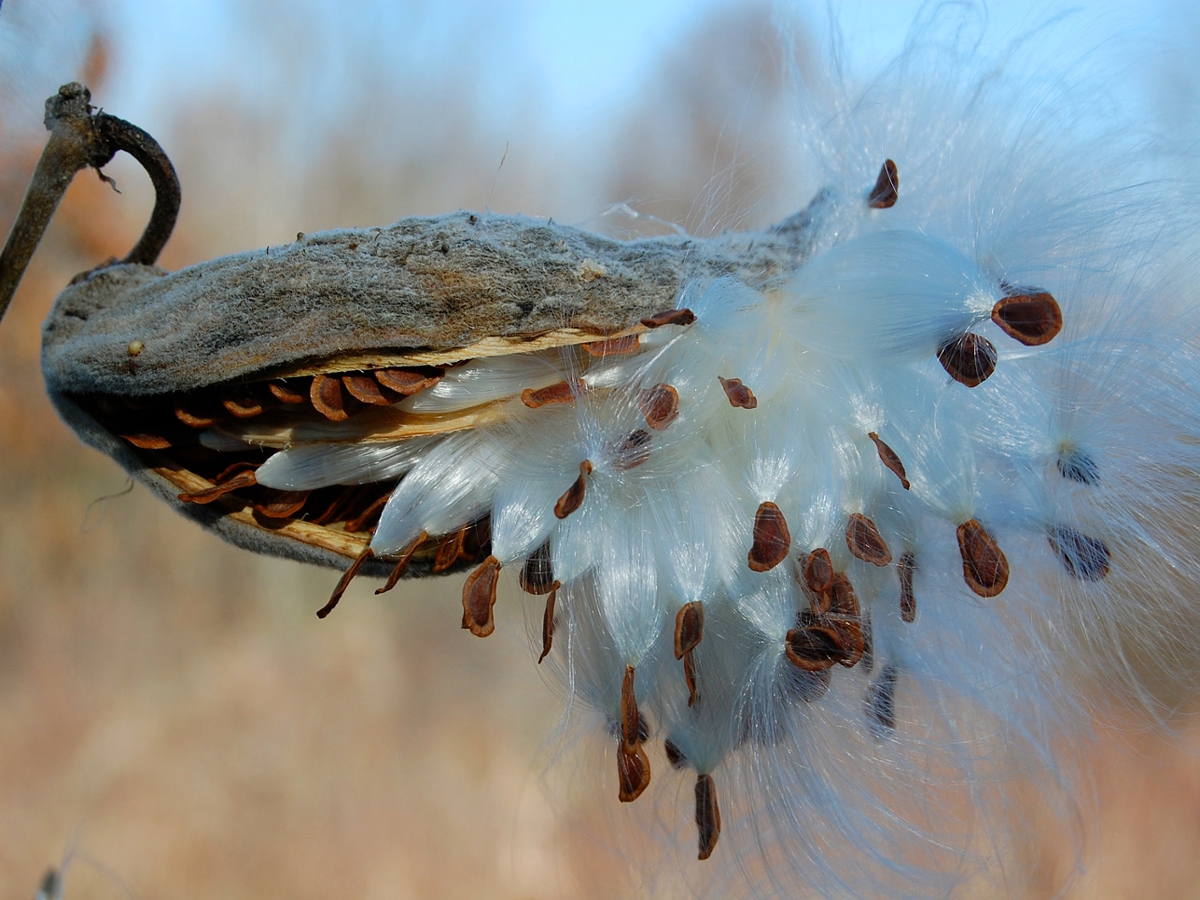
x=405, y=558
x=1086, y=558
x=660, y=405
x=284, y=394
x=689, y=628
x=563, y=392
x=190, y=417
x=548, y=623
x=477, y=541
x=537, y=575
x=772, y=540
x=367, y=390
x=147, y=441
x=676, y=757
x=670, y=317
x=619, y=346
x=276, y=504
x=887, y=187
x=740, y=396
x=984, y=567
x=1075, y=465
x=865, y=541
x=243, y=479
x=970, y=359
x=843, y=602
x=236, y=468
x=407, y=381
x=881, y=703
x=633, y=767
x=632, y=450
x=242, y=403
x=479, y=596
x=448, y=550
x=818, y=579
x=814, y=648
x=344, y=583
x=367, y=518
x=1032, y=319
x=633, y=772
x=907, y=567
x=888, y=457
x=708, y=815
x=346, y=500
x=326, y=396
x=572, y=498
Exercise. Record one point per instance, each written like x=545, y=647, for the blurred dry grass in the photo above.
x=175, y=705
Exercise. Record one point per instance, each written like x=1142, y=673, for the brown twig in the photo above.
x=79, y=139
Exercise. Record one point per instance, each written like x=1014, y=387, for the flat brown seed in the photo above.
x=405, y=558
x=1086, y=558
x=242, y=404
x=708, y=815
x=619, y=346
x=865, y=541
x=818, y=578
x=147, y=441
x=548, y=623
x=814, y=648
x=563, y=392
x=887, y=187
x=740, y=396
x=631, y=721
x=479, y=596
x=191, y=417
x=367, y=390
x=448, y=550
x=537, y=575
x=880, y=703
x=888, y=457
x=284, y=394
x=843, y=602
x=1032, y=319
x=243, y=479
x=632, y=450
x=676, y=757
x=633, y=772
x=689, y=627
x=670, y=317
x=572, y=498
x=344, y=583
x=660, y=405
x=276, y=504
x=969, y=359
x=366, y=519
x=772, y=540
x=326, y=396
x=407, y=381
x=985, y=568
x=907, y=567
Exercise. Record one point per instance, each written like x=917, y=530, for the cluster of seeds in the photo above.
x=770, y=463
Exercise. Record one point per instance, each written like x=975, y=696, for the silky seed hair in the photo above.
x=831, y=559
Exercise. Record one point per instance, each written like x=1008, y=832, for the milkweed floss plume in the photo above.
x=843, y=559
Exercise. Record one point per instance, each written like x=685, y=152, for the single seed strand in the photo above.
x=740, y=396
x=572, y=498
x=689, y=627
x=865, y=541
x=277, y=504
x=344, y=582
x=618, y=346
x=537, y=575
x=985, y=568
x=406, y=381
x=548, y=623
x=1085, y=558
x=670, y=317
x=373, y=510
x=284, y=394
x=708, y=815
x=563, y=392
x=818, y=580
x=660, y=405
x=243, y=479
x=888, y=457
x=1032, y=319
x=405, y=558
x=326, y=396
x=367, y=389
x=772, y=540
x=969, y=359
x=887, y=187
x=479, y=597
x=448, y=550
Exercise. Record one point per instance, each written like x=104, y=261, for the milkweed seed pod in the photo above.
x=848, y=522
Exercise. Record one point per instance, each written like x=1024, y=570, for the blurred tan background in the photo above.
x=172, y=707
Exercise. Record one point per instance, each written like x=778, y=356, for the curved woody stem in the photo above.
x=80, y=138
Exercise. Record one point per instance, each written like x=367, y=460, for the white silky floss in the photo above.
x=858, y=548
